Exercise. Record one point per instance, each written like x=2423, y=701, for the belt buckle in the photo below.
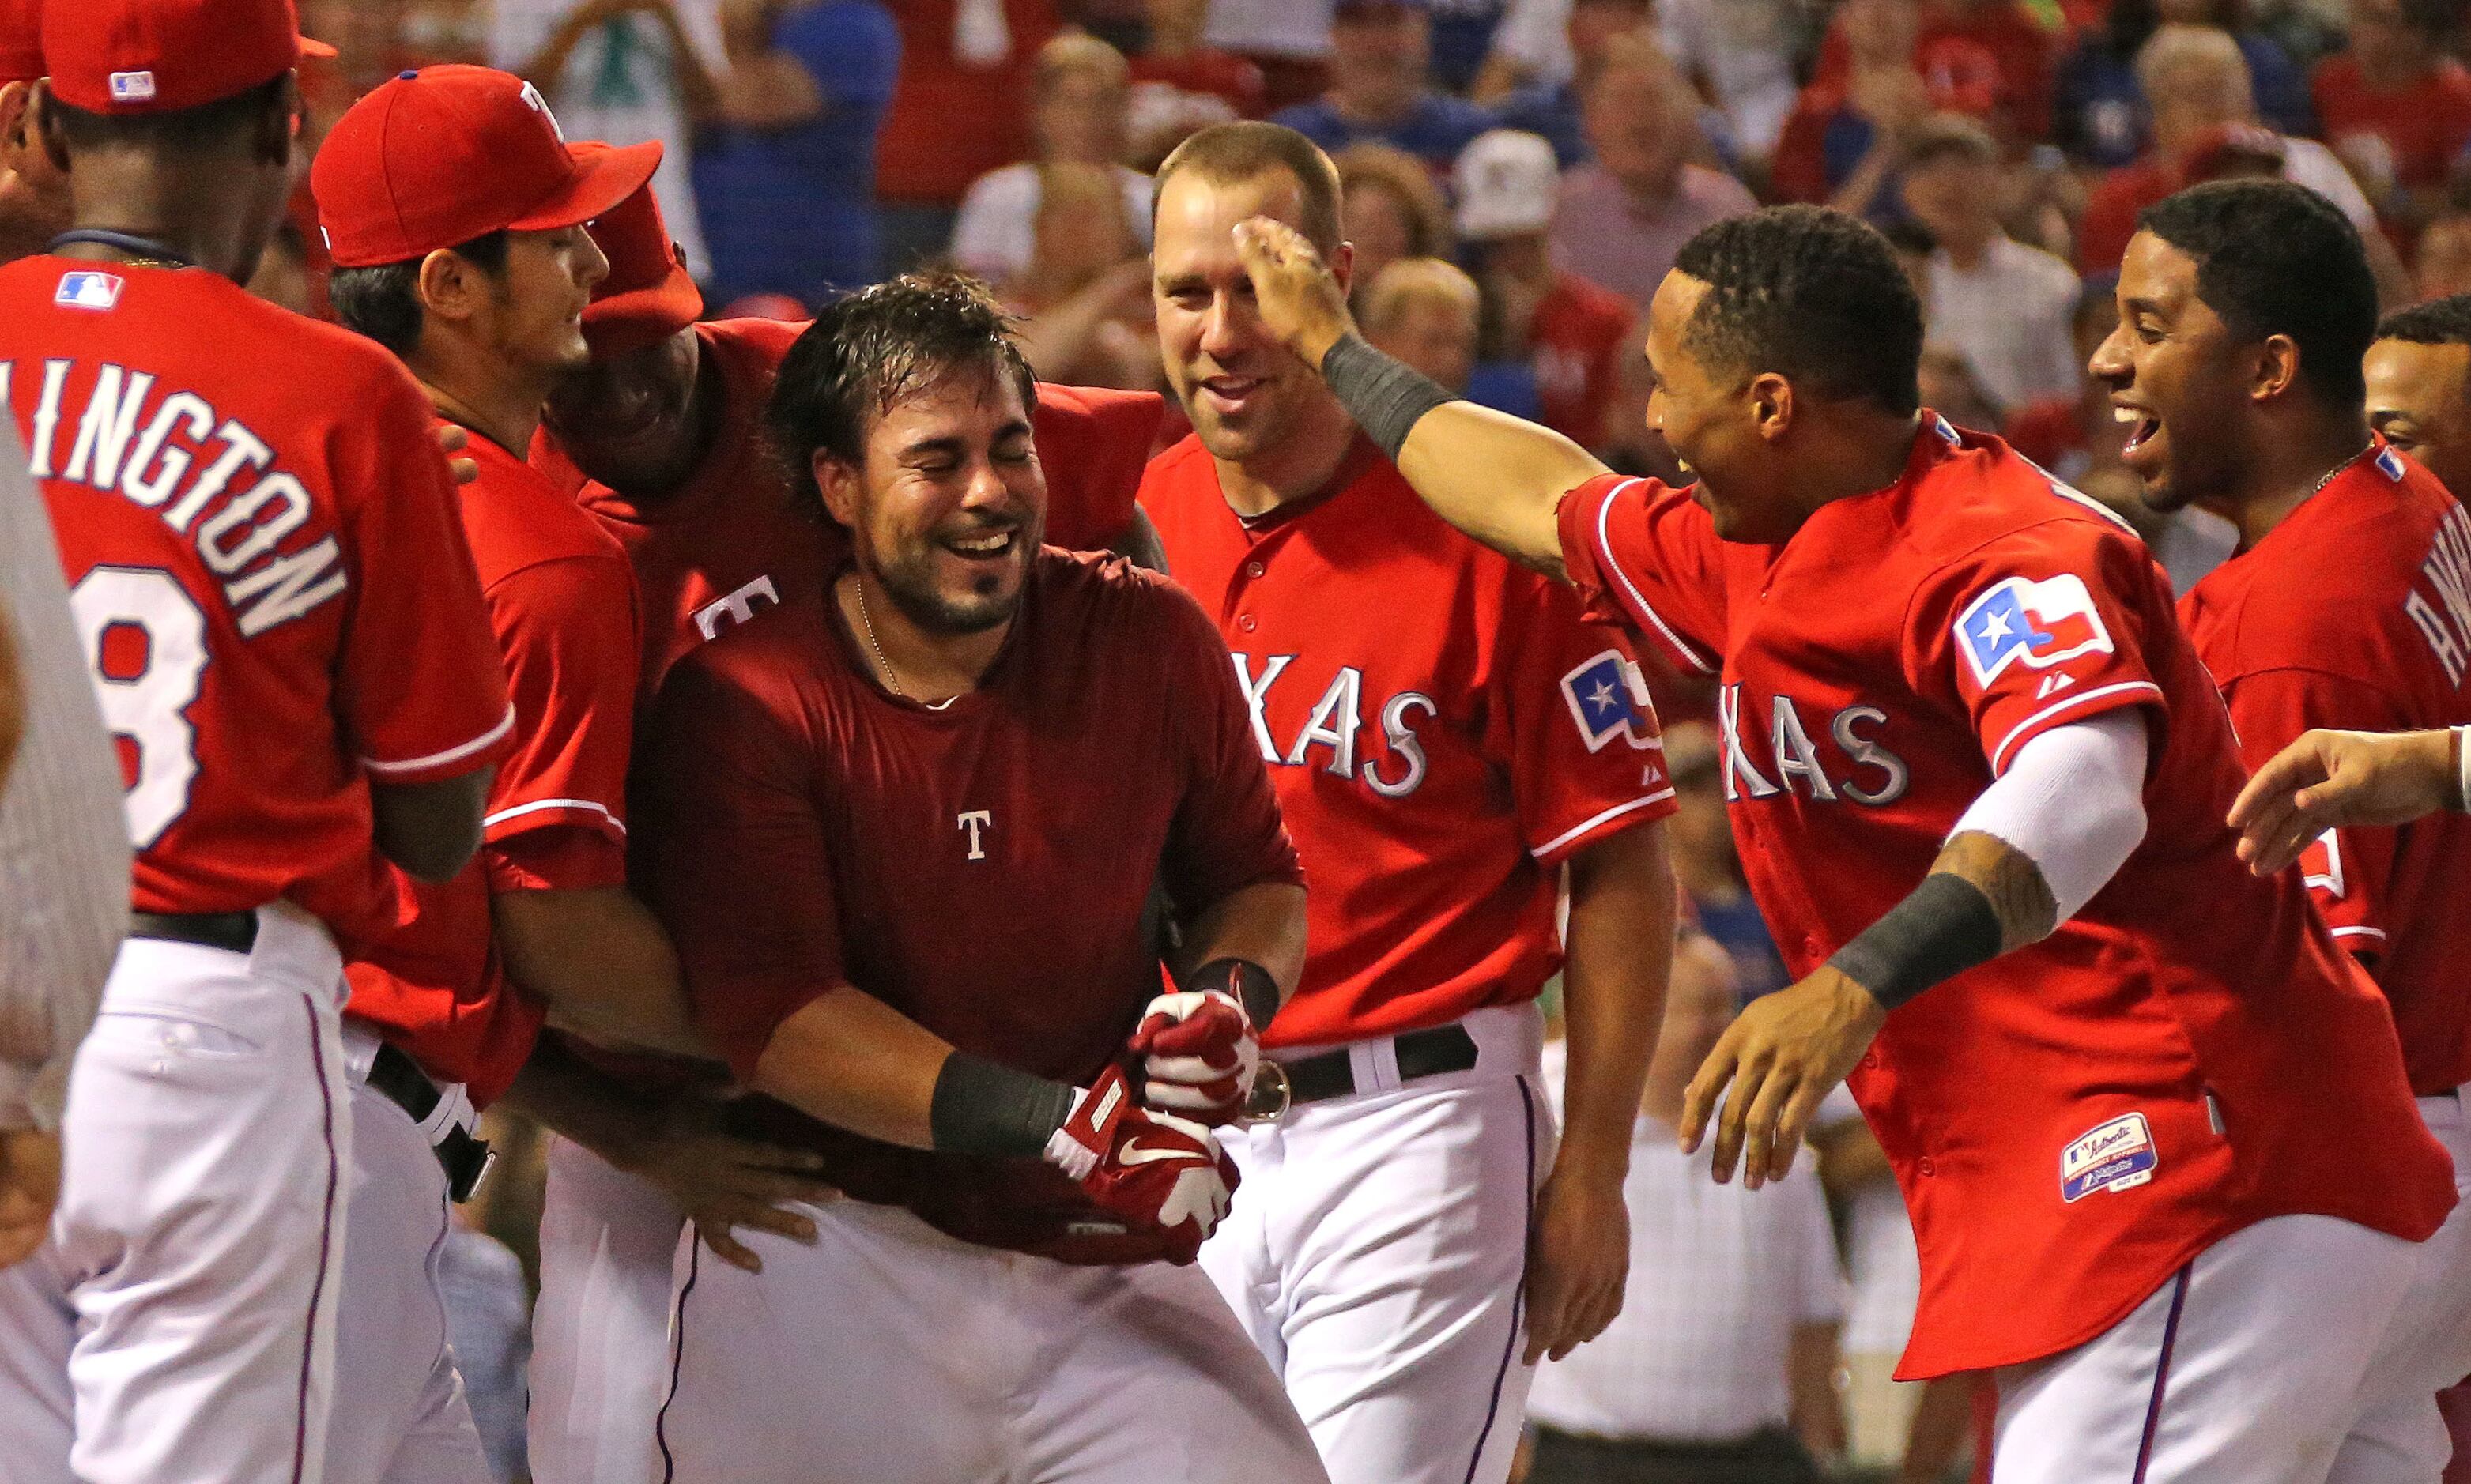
x=1271, y=1097
x=467, y=1162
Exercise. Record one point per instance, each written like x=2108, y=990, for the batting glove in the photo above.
x=1154, y=1171
x=1199, y=1052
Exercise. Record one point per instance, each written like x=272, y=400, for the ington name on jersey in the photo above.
x=2446, y=622
x=169, y=451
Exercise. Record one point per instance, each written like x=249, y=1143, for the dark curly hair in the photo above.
x=2445, y=321
x=2273, y=258
x=867, y=350
x=1813, y=295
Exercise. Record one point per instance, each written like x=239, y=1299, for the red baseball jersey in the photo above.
x=2072, y=1122
x=1575, y=342
x=562, y=600
x=260, y=542
x=2355, y=612
x=1435, y=769
x=983, y=868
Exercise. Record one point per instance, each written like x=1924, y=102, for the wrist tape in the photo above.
x=1382, y=393
x=982, y=1108
x=1242, y=980
x=1944, y=927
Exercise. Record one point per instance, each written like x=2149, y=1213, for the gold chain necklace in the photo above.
x=891, y=677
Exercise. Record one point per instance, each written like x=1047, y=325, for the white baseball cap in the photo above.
x=1507, y=180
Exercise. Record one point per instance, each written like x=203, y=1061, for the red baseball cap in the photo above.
x=159, y=56
x=443, y=155
x=648, y=294
x=21, y=40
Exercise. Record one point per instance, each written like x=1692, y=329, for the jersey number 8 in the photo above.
x=146, y=693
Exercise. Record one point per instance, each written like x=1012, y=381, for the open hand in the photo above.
x=1578, y=1263
x=724, y=1182
x=1299, y=297
x=1781, y=1056
x=2327, y=780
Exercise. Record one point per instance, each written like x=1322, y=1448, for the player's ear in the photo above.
x=1771, y=399
x=447, y=283
x=836, y=480
x=279, y=124
x=1342, y=267
x=45, y=124
x=2277, y=369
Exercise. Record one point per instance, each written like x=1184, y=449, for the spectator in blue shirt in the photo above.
x=2100, y=115
x=787, y=182
x=1381, y=87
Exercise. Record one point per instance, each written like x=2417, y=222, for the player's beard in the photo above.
x=908, y=578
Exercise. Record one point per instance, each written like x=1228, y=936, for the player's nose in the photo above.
x=2110, y=361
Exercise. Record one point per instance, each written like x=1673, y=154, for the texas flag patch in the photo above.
x=2042, y=623
x=1608, y=699
x=2113, y=1156
x=89, y=291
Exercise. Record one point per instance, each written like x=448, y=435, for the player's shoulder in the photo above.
x=1180, y=472
x=515, y=518
x=1984, y=501
x=766, y=662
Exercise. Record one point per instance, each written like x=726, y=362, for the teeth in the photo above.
x=984, y=546
x=2127, y=414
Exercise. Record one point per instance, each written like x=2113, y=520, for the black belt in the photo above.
x=1421, y=1054
x=464, y=1158
x=234, y=932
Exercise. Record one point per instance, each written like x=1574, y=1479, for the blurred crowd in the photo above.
x=1519, y=176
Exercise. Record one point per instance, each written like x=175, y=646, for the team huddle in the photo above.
x=1032, y=951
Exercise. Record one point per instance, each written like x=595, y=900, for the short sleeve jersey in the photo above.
x=562, y=601
x=258, y=536
x=1441, y=727
x=2355, y=613
x=985, y=868
x=2192, y=1052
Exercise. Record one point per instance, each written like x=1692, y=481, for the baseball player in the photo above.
x=288, y=642
x=33, y=194
x=661, y=437
x=910, y=825
x=2150, y=1121
x=2245, y=309
x=1445, y=736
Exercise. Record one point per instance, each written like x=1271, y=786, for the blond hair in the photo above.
x=1413, y=280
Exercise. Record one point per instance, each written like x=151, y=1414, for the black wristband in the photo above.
x=1382, y=393
x=982, y=1108
x=1944, y=927
x=1242, y=980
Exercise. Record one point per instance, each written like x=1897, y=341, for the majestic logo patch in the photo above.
x=1608, y=699
x=2042, y=623
x=2113, y=1156
x=131, y=86
x=89, y=291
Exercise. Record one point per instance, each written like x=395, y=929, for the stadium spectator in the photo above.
x=2443, y=266
x=1839, y=147
x=1953, y=387
x=786, y=179
x=1084, y=294
x=2397, y=109
x=1991, y=51
x=1391, y=208
x=1424, y=310
x=2071, y=436
x=1287, y=39
x=1709, y=864
x=1722, y=1363
x=961, y=107
x=1462, y=33
x=1381, y=87
x=1623, y=217
x=1177, y=53
x=1740, y=54
x=623, y=72
x=1883, y=1279
x=2099, y=115
x=1077, y=117
x=2001, y=303
x=1553, y=106
x=1568, y=333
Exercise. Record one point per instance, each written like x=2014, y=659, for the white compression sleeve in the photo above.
x=2073, y=802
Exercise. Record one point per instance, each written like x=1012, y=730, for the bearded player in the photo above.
x=1447, y=737
x=2246, y=308
x=2150, y=1120
x=910, y=827
x=288, y=638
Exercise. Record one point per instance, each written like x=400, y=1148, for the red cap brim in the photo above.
x=628, y=321
x=318, y=50
x=601, y=181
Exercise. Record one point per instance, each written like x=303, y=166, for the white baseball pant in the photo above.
x=182, y=1322
x=600, y=1355
x=2245, y=1366
x=399, y=1416
x=2399, y=1437
x=1377, y=1251
x=891, y=1352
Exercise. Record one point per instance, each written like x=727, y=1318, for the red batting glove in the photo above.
x=1156, y=1171
x=1199, y=1052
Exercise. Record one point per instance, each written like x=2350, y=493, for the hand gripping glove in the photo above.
x=1199, y=1047
x=1154, y=1171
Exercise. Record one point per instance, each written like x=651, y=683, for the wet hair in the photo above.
x=867, y=350
x=2273, y=258
x=1812, y=294
x=2445, y=321
x=383, y=301
x=1225, y=153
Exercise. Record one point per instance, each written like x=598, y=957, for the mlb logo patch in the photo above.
x=2389, y=464
x=89, y=291
x=131, y=86
x=2042, y=623
x=1608, y=699
x=2113, y=1156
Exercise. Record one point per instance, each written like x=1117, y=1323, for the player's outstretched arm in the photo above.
x=2331, y=779
x=1494, y=477
x=600, y=961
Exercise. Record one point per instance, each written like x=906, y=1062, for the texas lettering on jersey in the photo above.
x=1334, y=722
x=206, y=475
x=1861, y=769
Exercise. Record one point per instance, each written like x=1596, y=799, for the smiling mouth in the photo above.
x=2141, y=425
x=1230, y=388
x=983, y=546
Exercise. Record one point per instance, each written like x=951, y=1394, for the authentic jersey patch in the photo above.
x=2042, y=623
x=1608, y=699
x=89, y=291
x=2115, y=1156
